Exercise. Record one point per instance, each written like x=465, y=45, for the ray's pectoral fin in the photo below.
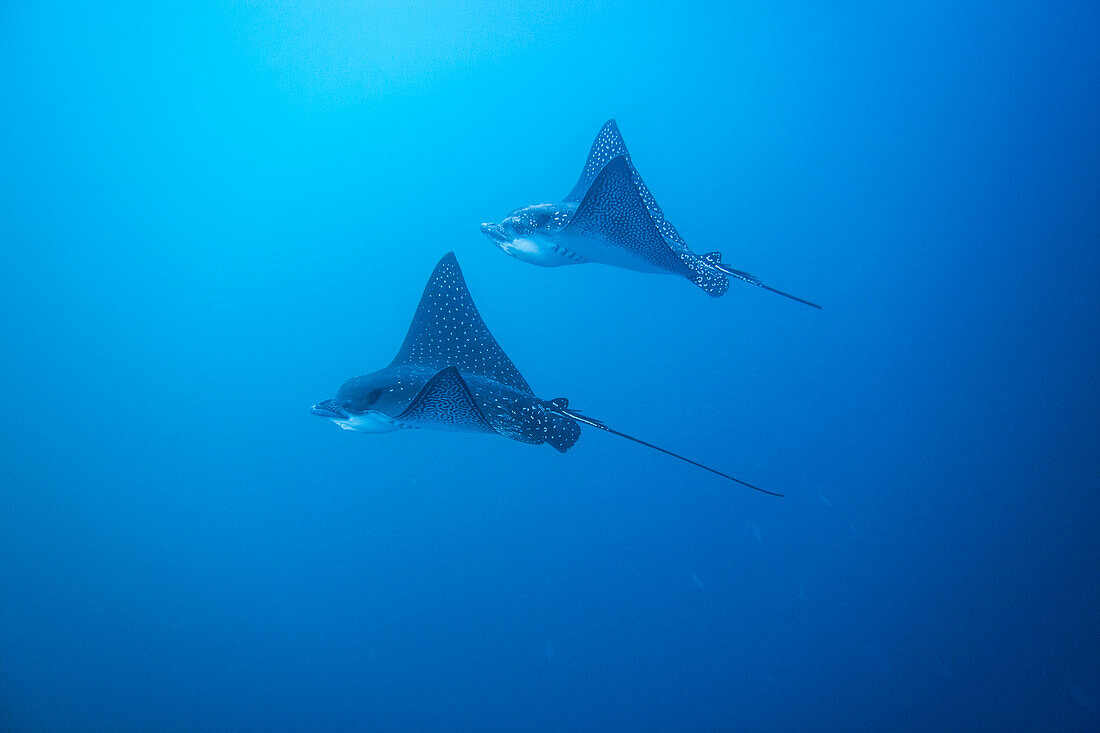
x=612, y=211
x=447, y=330
x=561, y=407
x=607, y=146
x=446, y=402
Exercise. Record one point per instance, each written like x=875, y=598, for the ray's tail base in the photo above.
x=560, y=406
x=712, y=263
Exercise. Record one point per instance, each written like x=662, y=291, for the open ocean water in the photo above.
x=212, y=214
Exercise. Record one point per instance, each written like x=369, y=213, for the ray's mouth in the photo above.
x=495, y=232
x=329, y=410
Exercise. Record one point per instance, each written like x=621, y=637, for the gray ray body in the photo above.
x=450, y=374
x=610, y=217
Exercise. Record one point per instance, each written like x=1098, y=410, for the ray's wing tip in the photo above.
x=448, y=262
x=612, y=133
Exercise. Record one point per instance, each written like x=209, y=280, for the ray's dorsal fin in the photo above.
x=607, y=146
x=446, y=400
x=447, y=331
x=613, y=211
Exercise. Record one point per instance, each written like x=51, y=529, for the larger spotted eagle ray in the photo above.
x=611, y=217
x=451, y=374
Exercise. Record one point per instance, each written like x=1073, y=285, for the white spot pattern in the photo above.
x=609, y=145
x=450, y=343
x=448, y=331
x=612, y=212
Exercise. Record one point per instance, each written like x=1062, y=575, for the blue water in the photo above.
x=212, y=215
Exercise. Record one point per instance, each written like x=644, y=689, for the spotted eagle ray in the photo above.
x=451, y=374
x=611, y=217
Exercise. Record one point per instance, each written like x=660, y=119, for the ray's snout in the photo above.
x=328, y=409
x=494, y=232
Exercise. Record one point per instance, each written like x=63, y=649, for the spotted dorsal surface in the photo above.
x=609, y=144
x=447, y=331
x=523, y=417
x=445, y=403
x=468, y=382
x=612, y=211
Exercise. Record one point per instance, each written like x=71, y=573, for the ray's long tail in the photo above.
x=560, y=406
x=714, y=260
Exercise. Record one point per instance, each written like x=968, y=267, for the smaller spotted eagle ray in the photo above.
x=451, y=374
x=611, y=217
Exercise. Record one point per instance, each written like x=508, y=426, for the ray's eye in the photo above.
x=371, y=397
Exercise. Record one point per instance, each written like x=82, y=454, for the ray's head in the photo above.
x=355, y=406
x=517, y=234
